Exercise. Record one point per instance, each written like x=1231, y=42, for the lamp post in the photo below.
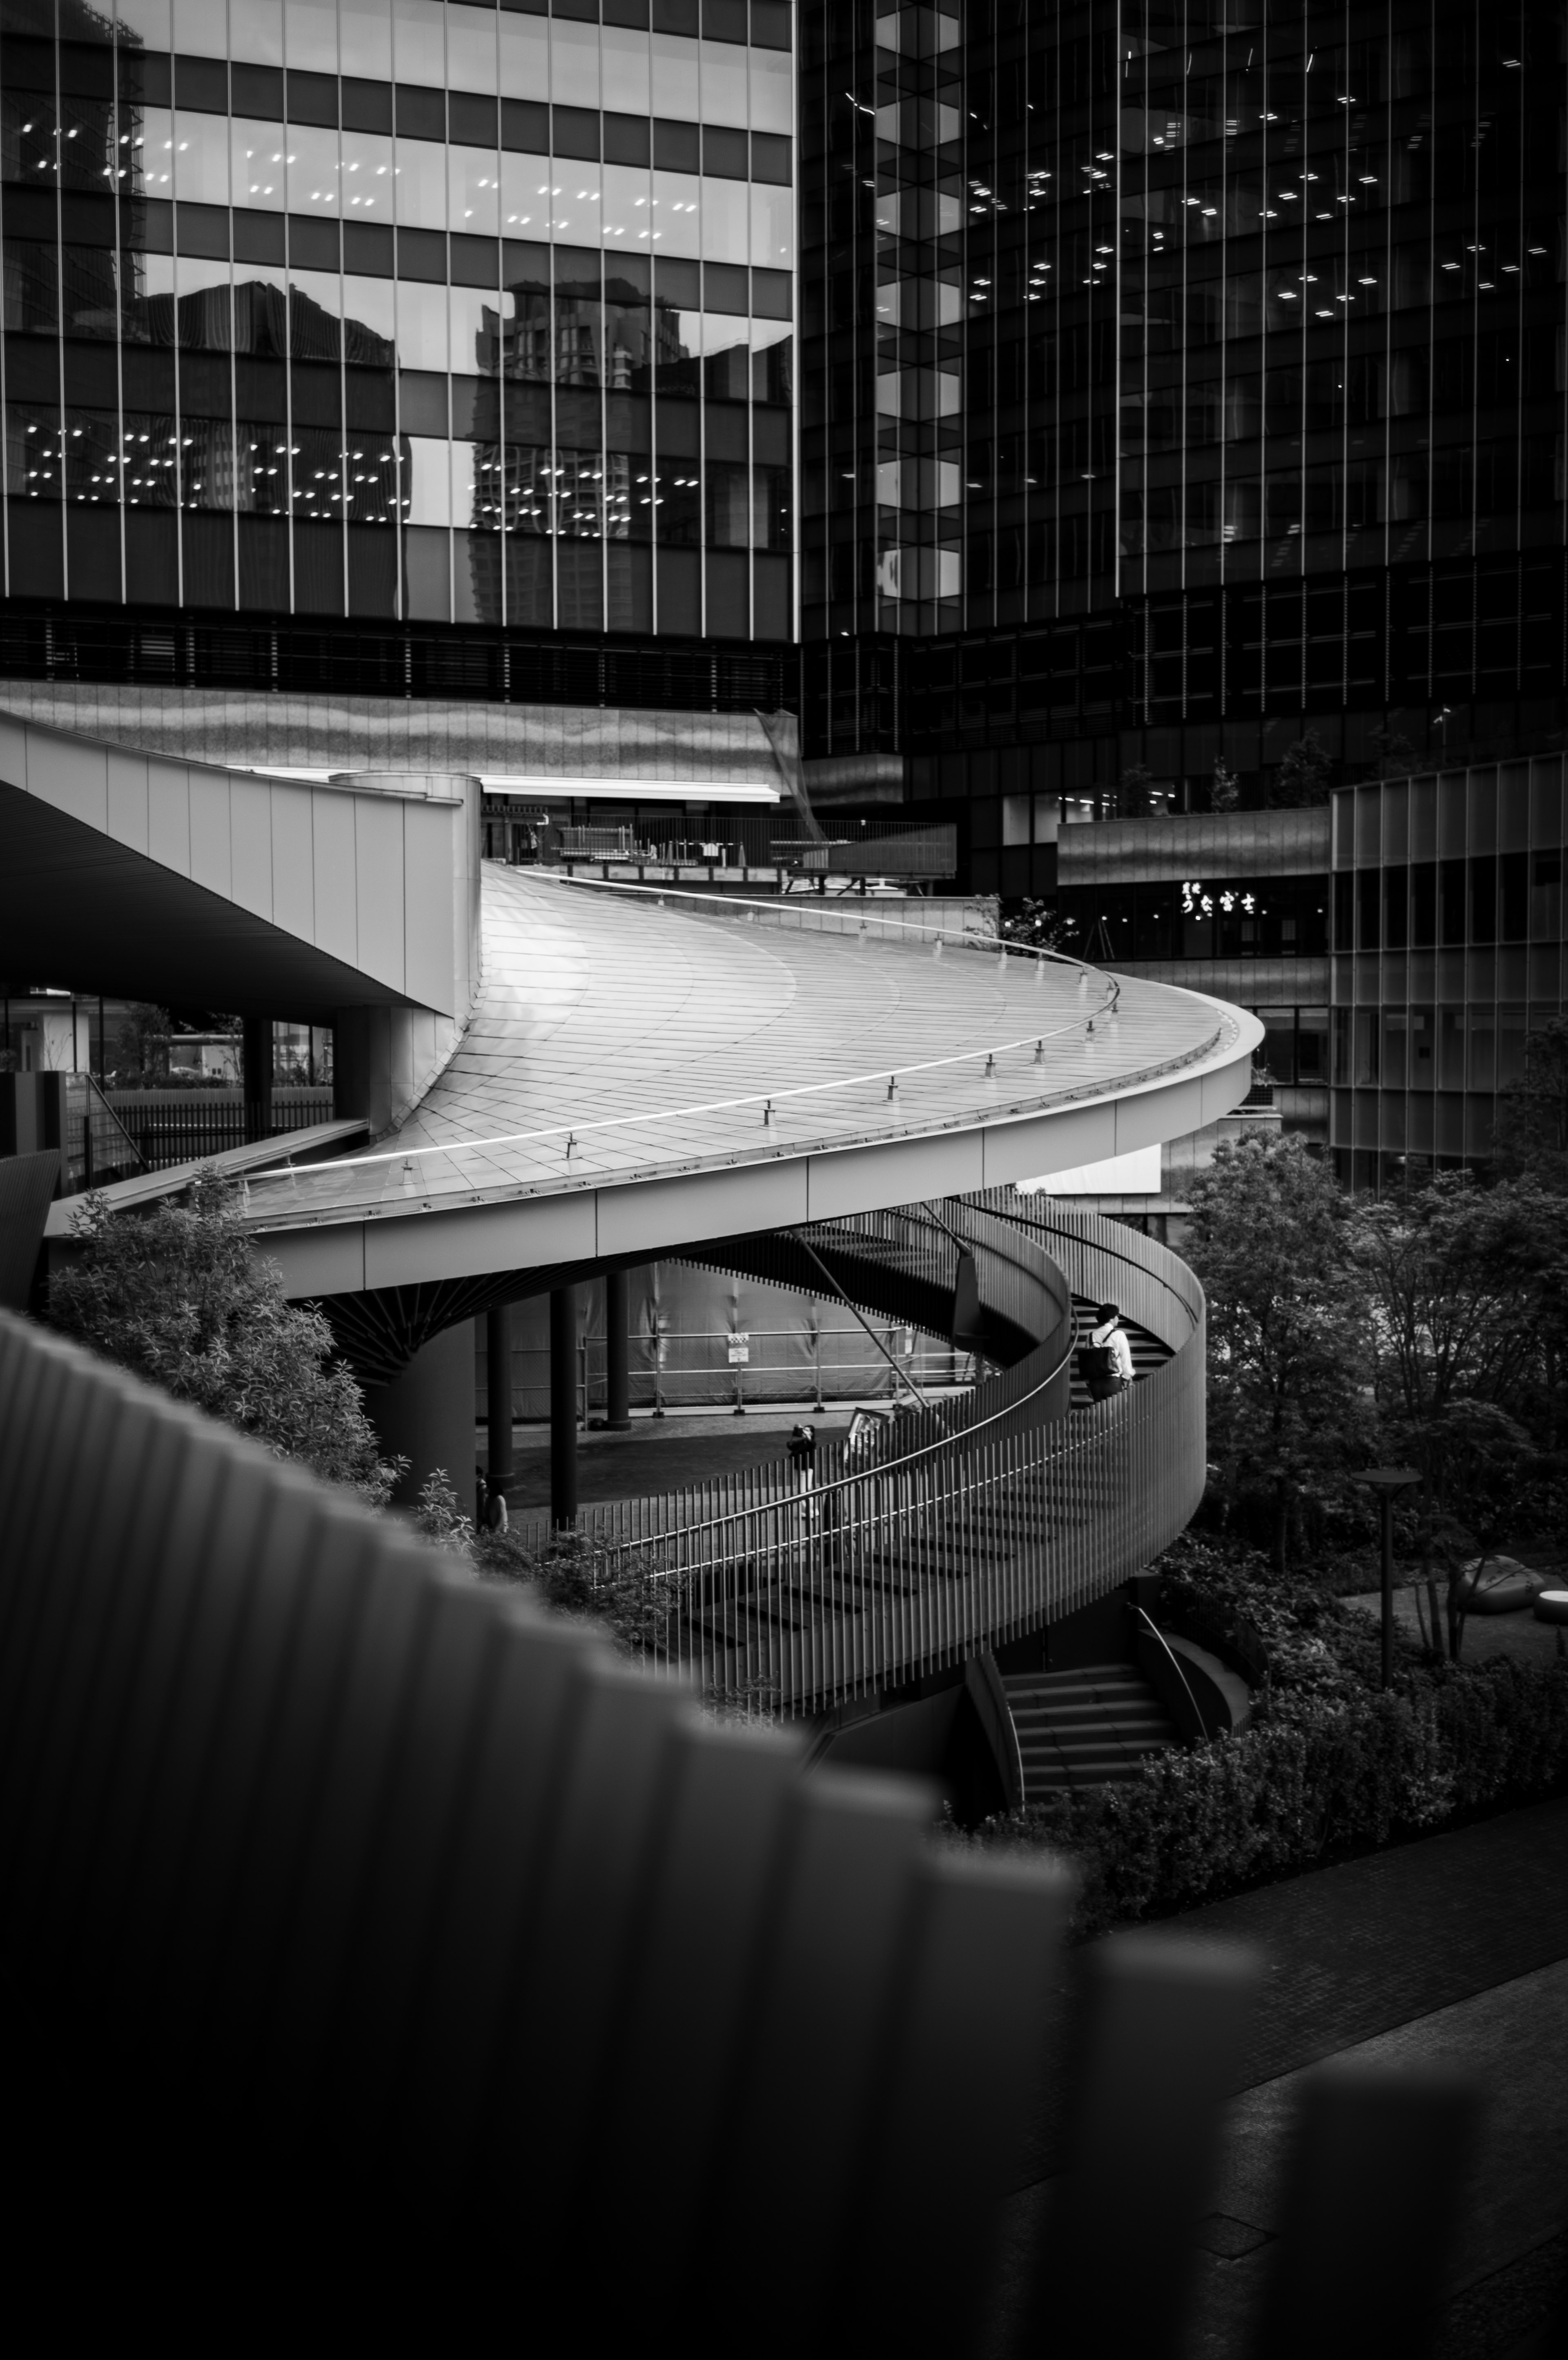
x=1387, y=1482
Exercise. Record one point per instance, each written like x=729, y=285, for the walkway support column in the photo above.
x=563, y=1407
x=617, y=1317
x=498, y=1401
x=256, y=1059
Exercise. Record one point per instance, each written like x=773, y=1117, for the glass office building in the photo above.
x=1178, y=375
x=1449, y=943
x=386, y=310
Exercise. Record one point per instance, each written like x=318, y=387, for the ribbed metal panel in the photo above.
x=975, y=1521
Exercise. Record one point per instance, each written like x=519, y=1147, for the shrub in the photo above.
x=179, y=1295
x=1328, y=1763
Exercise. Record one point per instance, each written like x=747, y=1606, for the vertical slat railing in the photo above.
x=981, y=1518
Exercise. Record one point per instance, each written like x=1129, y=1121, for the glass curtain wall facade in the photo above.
x=1180, y=374
x=391, y=309
x=1449, y=944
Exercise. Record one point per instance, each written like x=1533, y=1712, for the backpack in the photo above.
x=1096, y=1363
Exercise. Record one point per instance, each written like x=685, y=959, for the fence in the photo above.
x=967, y=1523
x=874, y=847
x=382, y=1952
x=167, y=1127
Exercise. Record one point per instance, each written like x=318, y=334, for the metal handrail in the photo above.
x=1155, y=1631
x=962, y=1541
x=1107, y=1007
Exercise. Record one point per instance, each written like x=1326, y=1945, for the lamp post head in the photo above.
x=1390, y=1479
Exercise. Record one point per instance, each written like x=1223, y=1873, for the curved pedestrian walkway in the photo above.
x=644, y=1070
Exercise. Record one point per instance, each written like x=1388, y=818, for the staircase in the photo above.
x=1085, y=1727
x=1148, y=1352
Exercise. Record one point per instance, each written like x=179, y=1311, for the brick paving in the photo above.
x=1454, y=1950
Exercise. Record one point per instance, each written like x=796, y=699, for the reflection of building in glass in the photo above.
x=359, y=300
x=1179, y=380
x=1449, y=942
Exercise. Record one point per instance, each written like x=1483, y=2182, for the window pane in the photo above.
x=427, y=480
x=421, y=184
x=367, y=176
x=259, y=152
x=421, y=326
x=309, y=34
x=677, y=215
x=474, y=185
x=624, y=61
x=315, y=171
x=366, y=27
x=573, y=64
x=419, y=46
x=525, y=195
x=471, y=47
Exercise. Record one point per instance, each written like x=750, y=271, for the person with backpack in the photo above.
x=1104, y=1362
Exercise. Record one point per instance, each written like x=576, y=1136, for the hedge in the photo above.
x=1325, y=1766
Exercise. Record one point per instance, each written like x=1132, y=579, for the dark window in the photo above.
x=1367, y=896
x=1450, y=898
x=471, y=119
x=626, y=139
x=525, y=126
x=1513, y=880
x=1423, y=904
x=366, y=105
x=1484, y=900
x=313, y=98
x=1396, y=908
x=677, y=146
x=574, y=131
x=770, y=158
x=1344, y=910
x=204, y=82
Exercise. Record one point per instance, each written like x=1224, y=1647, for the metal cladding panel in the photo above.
x=169, y=817
x=378, y=890
x=337, y=927
x=250, y=827
x=73, y=779
x=211, y=837
x=418, y=1248
x=293, y=862
x=432, y=838
x=327, y=1261
x=1054, y=1142
x=1226, y=1089
x=862, y=1179
x=128, y=820
x=660, y=1214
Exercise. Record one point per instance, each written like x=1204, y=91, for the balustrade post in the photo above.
x=563, y=1407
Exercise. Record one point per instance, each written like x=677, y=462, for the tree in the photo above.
x=1040, y=923
x=1532, y=1133
x=179, y=1295
x=1226, y=791
x=141, y=1046
x=1303, y=777
x=1395, y=756
x=1270, y=1239
x=1132, y=797
x=1466, y=1288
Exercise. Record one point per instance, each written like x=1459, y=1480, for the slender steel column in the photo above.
x=255, y=1061
x=563, y=1406
x=617, y=1317
x=498, y=1399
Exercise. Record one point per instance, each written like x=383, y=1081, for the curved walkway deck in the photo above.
x=644, y=1070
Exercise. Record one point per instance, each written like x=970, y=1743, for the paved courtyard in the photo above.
x=1453, y=1951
